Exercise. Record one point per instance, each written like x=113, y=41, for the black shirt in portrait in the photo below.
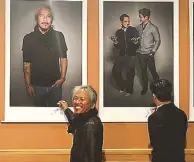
x=44, y=51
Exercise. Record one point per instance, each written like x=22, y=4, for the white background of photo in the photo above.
x=39, y=114
x=136, y=114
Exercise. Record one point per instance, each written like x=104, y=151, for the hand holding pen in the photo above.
x=63, y=105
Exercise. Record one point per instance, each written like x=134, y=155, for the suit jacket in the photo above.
x=167, y=131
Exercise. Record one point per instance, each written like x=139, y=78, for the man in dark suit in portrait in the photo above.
x=126, y=42
x=149, y=43
x=167, y=126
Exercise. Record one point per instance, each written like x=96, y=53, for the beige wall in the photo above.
x=116, y=136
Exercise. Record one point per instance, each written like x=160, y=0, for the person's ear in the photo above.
x=93, y=106
x=154, y=96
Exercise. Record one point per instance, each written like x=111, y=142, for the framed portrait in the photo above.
x=191, y=103
x=69, y=20
x=127, y=69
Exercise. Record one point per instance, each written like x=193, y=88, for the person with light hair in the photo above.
x=85, y=125
x=44, y=60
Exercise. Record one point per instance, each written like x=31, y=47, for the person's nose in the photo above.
x=78, y=101
x=45, y=18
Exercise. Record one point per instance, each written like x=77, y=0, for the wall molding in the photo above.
x=62, y=155
x=67, y=151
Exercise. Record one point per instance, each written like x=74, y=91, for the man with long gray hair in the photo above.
x=45, y=60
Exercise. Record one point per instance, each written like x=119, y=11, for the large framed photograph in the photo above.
x=139, y=43
x=46, y=56
x=191, y=109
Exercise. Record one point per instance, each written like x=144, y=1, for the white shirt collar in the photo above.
x=124, y=29
x=161, y=105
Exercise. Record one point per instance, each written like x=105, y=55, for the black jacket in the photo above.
x=167, y=129
x=87, y=129
x=125, y=45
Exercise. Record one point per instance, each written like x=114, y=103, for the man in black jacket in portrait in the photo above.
x=126, y=42
x=167, y=126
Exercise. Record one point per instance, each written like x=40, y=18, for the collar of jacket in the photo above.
x=144, y=26
x=81, y=118
x=166, y=107
x=48, y=33
x=46, y=39
x=124, y=29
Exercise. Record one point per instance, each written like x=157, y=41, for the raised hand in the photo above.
x=114, y=39
x=135, y=40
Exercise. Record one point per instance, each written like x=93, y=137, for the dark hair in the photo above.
x=162, y=89
x=145, y=12
x=122, y=16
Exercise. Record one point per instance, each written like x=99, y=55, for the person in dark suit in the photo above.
x=167, y=125
x=126, y=42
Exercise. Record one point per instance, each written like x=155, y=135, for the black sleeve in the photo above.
x=62, y=46
x=27, y=54
x=133, y=34
x=155, y=128
x=92, y=145
x=186, y=123
x=136, y=33
x=185, y=127
x=70, y=115
x=118, y=45
x=150, y=130
x=136, y=36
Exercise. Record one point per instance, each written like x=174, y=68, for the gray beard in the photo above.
x=44, y=30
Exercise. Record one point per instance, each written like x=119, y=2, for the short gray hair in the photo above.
x=87, y=88
x=43, y=7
